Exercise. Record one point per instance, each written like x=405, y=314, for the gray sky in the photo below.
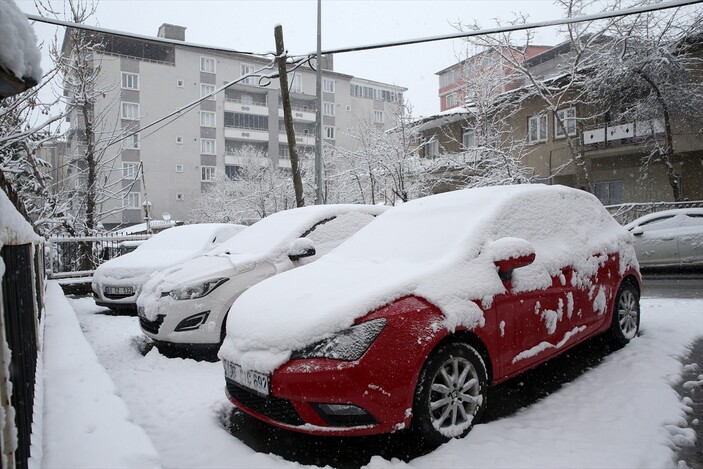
x=248, y=25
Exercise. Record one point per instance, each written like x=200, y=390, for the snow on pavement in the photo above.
x=622, y=413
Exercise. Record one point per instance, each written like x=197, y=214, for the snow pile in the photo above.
x=441, y=248
x=14, y=229
x=171, y=246
x=87, y=424
x=18, y=43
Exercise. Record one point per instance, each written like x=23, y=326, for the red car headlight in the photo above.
x=349, y=344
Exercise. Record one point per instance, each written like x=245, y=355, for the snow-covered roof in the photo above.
x=441, y=248
x=14, y=229
x=18, y=44
x=663, y=214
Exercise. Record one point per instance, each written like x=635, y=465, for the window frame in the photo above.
x=204, y=60
x=205, y=142
x=131, y=195
x=328, y=85
x=620, y=183
x=571, y=130
x=376, y=114
x=209, y=171
x=128, y=76
x=328, y=106
x=208, y=86
x=329, y=132
x=464, y=134
x=431, y=148
x=131, y=142
x=246, y=69
x=124, y=105
x=542, y=121
x=296, y=83
x=130, y=174
x=208, y=113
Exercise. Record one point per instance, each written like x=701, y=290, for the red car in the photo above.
x=408, y=322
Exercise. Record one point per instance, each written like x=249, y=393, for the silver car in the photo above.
x=671, y=238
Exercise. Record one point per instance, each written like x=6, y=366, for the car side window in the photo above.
x=658, y=223
x=329, y=233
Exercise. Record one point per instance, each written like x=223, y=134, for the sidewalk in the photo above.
x=85, y=423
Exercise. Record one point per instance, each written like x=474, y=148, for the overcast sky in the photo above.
x=248, y=25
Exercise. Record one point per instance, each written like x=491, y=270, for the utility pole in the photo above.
x=288, y=116
x=318, y=114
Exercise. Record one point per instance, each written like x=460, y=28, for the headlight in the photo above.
x=199, y=290
x=349, y=344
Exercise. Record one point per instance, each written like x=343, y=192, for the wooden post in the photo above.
x=288, y=116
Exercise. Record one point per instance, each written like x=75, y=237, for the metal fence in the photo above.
x=70, y=257
x=626, y=213
x=22, y=303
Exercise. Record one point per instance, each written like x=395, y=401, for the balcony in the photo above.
x=249, y=135
x=300, y=114
x=299, y=139
x=621, y=134
x=235, y=105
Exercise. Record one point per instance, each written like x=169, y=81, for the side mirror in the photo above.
x=300, y=248
x=637, y=231
x=510, y=254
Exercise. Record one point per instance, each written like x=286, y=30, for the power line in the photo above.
x=516, y=27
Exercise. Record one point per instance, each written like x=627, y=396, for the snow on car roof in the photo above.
x=164, y=249
x=663, y=214
x=438, y=248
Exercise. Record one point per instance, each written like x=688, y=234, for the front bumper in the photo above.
x=116, y=302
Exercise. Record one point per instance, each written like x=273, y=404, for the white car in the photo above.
x=187, y=304
x=671, y=238
x=117, y=282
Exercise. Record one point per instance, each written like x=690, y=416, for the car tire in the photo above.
x=625, y=323
x=441, y=410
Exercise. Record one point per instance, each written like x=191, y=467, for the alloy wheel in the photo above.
x=455, y=395
x=627, y=314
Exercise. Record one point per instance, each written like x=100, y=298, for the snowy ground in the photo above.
x=115, y=407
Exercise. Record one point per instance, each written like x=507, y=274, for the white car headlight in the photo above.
x=349, y=344
x=199, y=290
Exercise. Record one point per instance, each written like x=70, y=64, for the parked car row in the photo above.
x=358, y=320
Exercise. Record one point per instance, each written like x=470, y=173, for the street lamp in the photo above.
x=147, y=215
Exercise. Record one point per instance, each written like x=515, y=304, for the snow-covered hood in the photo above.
x=441, y=248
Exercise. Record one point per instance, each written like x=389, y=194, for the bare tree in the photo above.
x=650, y=75
x=257, y=190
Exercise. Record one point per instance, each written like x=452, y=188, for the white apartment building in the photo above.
x=144, y=80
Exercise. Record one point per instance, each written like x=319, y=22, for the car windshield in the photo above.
x=190, y=237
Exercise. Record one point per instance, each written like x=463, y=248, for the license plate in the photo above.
x=119, y=290
x=250, y=379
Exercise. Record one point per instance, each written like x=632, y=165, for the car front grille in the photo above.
x=151, y=326
x=279, y=410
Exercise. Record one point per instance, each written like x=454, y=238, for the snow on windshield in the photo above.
x=438, y=248
x=271, y=235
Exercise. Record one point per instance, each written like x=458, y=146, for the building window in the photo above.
x=129, y=111
x=180, y=196
x=327, y=85
x=378, y=117
x=206, y=90
x=207, y=64
x=207, y=119
x=130, y=81
x=247, y=69
x=468, y=139
x=131, y=142
x=328, y=109
x=247, y=99
x=537, y=128
x=232, y=171
x=452, y=100
x=180, y=83
x=207, y=146
x=610, y=193
x=130, y=170
x=246, y=121
x=432, y=148
x=296, y=84
x=179, y=168
x=132, y=200
x=568, y=116
x=207, y=173
x=179, y=140
x=329, y=132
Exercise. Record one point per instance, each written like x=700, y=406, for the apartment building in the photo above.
x=144, y=80
x=614, y=151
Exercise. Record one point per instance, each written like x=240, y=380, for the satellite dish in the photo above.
x=166, y=216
